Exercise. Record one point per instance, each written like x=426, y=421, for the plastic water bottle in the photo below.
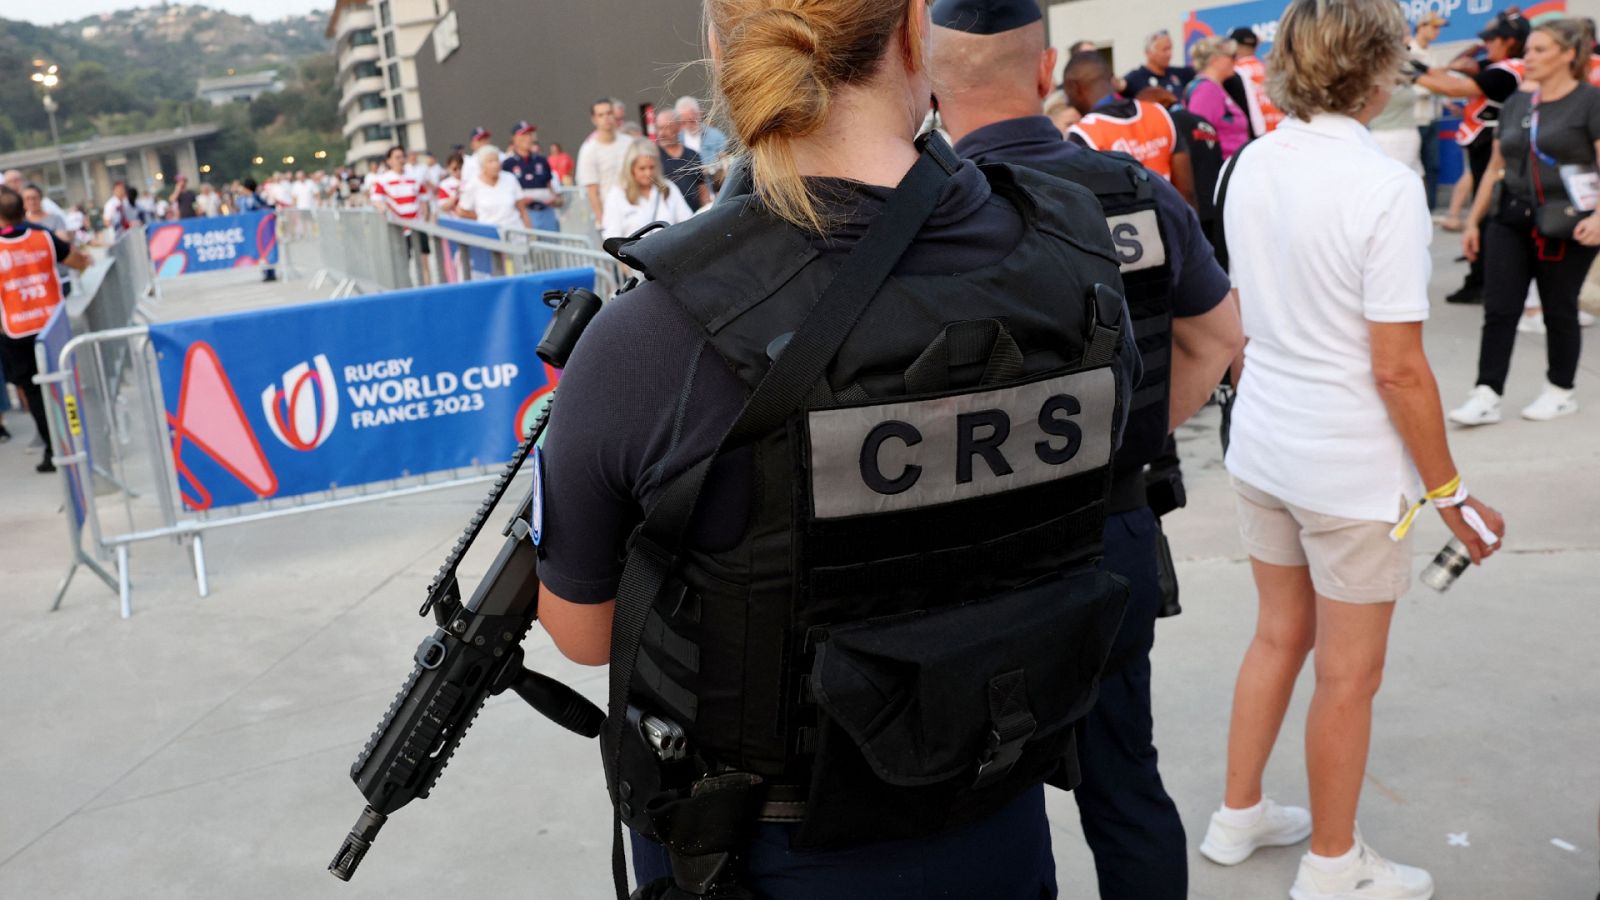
x=1446, y=567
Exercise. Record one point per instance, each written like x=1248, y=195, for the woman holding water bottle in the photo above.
x=1338, y=436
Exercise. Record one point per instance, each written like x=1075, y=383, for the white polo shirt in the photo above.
x=1326, y=234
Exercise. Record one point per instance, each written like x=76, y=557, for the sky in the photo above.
x=71, y=10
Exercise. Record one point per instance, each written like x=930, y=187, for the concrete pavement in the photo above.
x=201, y=749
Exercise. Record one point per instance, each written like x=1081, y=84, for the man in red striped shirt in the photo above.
x=399, y=194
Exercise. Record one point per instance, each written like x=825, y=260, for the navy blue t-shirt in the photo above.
x=532, y=172
x=685, y=171
x=1172, y=81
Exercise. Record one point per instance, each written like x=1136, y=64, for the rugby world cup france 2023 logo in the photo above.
x=304, y=410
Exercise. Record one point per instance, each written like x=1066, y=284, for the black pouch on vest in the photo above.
x=934, y=718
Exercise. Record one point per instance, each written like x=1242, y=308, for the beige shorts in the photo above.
x=1352, y=560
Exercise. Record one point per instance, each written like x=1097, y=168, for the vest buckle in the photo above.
x=1012, y=725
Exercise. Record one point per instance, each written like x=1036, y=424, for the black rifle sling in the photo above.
x=779, y=394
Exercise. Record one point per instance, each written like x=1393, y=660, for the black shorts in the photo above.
x=423, y=244
x=16, y=357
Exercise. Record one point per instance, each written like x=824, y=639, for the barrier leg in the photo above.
x=200, y=567
x=61, y=589
x=124, y=589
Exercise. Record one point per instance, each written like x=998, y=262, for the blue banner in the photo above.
x=481, y=261
x=1466, y=18
x=213, y=243
x=65, y=396
x=302, y=399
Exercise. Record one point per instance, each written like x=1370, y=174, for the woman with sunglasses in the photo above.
x=1545, y=229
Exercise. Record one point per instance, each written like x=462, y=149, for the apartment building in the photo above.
x=376, y=43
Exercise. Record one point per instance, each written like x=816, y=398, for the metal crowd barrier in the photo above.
x=108, y=297
x=110, y=425
x=147, y=456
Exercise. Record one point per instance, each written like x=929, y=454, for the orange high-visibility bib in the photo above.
x=29, y=287
x=1148, y=136
x=1481, y=110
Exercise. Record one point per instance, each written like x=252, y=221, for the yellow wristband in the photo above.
x=1443, y=491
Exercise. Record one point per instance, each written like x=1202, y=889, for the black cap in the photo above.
x=1243, y=35
x=1506, y=25
x=985, y=16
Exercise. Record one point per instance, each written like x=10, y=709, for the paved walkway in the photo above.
x=201, y=749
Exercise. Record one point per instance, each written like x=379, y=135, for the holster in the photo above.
x=705, y=830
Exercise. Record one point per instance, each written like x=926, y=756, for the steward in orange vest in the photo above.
x=30, y=290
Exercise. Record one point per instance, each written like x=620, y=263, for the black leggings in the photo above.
x=1479, y=152
x=1559, y=268
x=20, y=368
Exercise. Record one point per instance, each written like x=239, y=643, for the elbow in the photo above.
x=584, y=653
x=1234, y=343
x=1401, y=379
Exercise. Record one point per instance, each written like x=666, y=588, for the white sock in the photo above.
x=1242, y=818
x=1334, y=863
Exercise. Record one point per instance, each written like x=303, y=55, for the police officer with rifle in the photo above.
x=827, y=491
x=993, y=69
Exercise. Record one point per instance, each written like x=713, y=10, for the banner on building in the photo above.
x=1466, y=18
x=296, y=400
x=213, y=243
x=64, y=396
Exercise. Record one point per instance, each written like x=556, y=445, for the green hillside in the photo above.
x=136, y=70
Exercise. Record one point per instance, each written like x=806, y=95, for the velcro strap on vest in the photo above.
x=1080, y=528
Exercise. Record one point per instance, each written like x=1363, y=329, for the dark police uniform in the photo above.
x=885, y=618
x=1128, y=819
x=533, y=173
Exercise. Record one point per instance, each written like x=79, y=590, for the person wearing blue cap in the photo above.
x=534, y=177
x=993, y=69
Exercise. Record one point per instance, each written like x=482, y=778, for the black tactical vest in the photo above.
x=912, y=621
x=1127, y=194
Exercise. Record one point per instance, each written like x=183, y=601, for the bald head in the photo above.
x=1087, y=80
x=981, y=79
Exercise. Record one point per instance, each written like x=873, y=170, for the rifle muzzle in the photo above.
x=357, y=844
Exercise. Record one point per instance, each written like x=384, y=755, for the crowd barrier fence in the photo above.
x=115, y=421
x=361, y=251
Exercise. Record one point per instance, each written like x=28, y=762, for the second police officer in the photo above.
x=992, y=69
x=827, y=490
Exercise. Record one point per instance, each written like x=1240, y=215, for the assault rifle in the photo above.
x=476, y=651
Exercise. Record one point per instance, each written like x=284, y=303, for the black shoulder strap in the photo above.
x=780, y=392
x=1223, y=180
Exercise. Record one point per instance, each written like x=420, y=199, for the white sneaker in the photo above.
x=1585, y=319
x=1278, y=826
x=1552, y=403
x=1482, y=408
x=1531, y=324
x=1368, y=877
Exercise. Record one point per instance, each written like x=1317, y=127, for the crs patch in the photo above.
x=889, y=457
x=1136, y=238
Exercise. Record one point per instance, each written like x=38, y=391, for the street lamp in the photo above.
x=48, y=76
